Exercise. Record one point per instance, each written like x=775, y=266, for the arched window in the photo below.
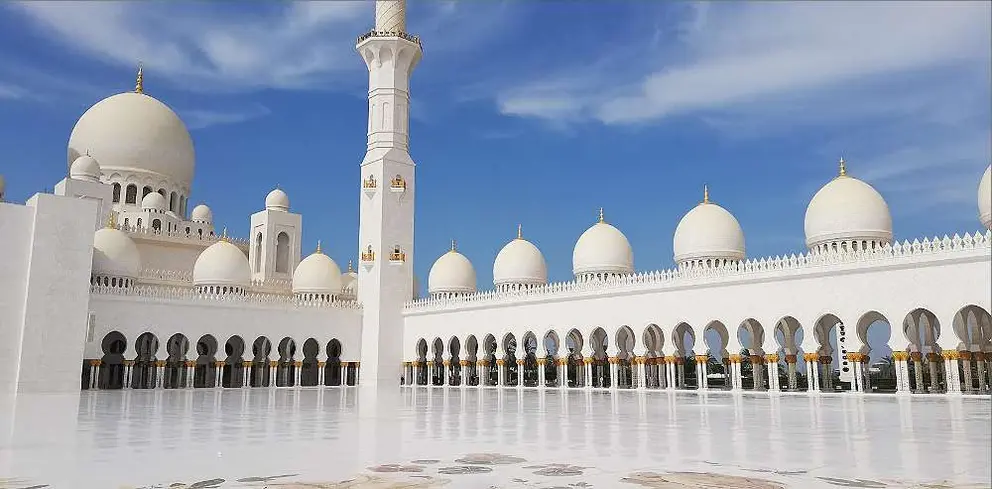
x=161, y=192
x=117, y=193
x=145, y=191
x=258, y=252
x=139, y=223
x=131, y=195
x=173, y=202
x=282, y=253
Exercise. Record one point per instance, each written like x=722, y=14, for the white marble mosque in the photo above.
x=134, y=331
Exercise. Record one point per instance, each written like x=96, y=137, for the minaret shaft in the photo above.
x=387, y=190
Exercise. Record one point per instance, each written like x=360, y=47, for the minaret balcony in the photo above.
x=370, y=186
x=368, y=256
x=397, y=185
x=400, y=34
x=397, y=257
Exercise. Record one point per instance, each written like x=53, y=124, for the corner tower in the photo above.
x=385, y=273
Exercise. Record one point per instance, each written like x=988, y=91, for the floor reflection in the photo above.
x=143, y=438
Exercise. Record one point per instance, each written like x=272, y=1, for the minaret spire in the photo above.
x=390, y=16
x=843, y=168
x=139, y=84
x=706, y=194
x=601, y=218
x=520, y=231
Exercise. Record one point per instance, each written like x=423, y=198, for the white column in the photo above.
x=563, y=373
x=587, y=368
x=272, y=373
x=771, y=361
x=159, y=373
x=670, y=369
x=640, y=372
x=520, y=373
x=297, y=373
x=501, y=372
x=614, y=363
x=541, y=376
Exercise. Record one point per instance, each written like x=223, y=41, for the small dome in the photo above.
x=452, y=273
x=984, y=198
x=202, y=213
x=277, y=200
x=317, y=274
x=708, y=231
x=222, y=263
x=349, y=283
x=115, y=254
x=602, y=249
x=847, y=209
x=85, y=168
x=520, y=263
x=153, y=202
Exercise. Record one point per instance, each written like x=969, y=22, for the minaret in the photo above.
x=387, y=188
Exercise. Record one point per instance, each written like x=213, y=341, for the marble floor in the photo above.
x=407, y=438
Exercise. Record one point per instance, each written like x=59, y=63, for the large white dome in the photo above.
x=115, y=254
x=317, y=274
x=602, y=249
x=452, y=273
x=520, y=263
x=847, y=209
x=135, y=132
x=153, y=202
x=985, y=198
x=222, y=263
x=706, y=232
x=277, y=200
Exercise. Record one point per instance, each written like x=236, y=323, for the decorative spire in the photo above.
x=318, y=248
x=112, y=220
x=139, y=84
x=453, y=246
x=601, y=218
x=520, y=231
x=706, y=194
x=223, y=236
x=351, y=268
x=843, y=168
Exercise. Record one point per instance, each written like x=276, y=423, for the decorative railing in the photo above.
x=272, y=285
x=178, y=277
x=693, y=274
x=399, y=34
x=178, y=235
x=189, y=294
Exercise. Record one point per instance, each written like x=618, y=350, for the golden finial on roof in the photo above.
x=843, y=168
x=520, y=231
x=112, y=220
x=706, y=194
x=223, y=236
x=318, y=248
x=139, y=84
x=453, y=246
x=601, y=218
x=350, y=266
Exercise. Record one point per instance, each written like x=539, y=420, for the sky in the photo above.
x=532, y=113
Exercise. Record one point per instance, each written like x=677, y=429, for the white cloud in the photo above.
x=10, y=91
x=201, y=118
x=737, y=54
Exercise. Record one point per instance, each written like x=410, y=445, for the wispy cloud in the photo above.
x=201, y=119
x=740, y=54
x=9, y=91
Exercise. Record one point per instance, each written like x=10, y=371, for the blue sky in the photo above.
x=535, y=113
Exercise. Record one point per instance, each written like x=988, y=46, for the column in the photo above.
x=245, y=374
x=190, y=367
x=159, y=373
x=95, y=374
x=273, y=365
x=297, y=373
x=812, y=371
x=500, y=372
x=735, y=363
x=772, y=363
x=541, y=374
x=563, y=373
x=219, y=374
x=979, y=358
x=587, y=369
x=933, y=363
x=790, y=366
x=951, y=377
x=483, y=372
x=758, y=371
x=968, y=383
x=320, y=372
x=640, y=372
x=865, y=372
x=614, y=372
x=520, y=372
x=671, y=370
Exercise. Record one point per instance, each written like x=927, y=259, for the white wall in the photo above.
x=16, y=229
x=942, y=282
x=53, y=323
x=133, y=316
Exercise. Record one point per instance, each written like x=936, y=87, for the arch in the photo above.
x=625, y=341
x=437, y=359
x=552, y=350
x=422, y=370
x=175, y=364
x=510, y=377
x=282, y=252
x=258, y=253
x=530, y=373
x=491, y=373
x=575, y=370
x=684, y=341
x=788, y=334
x=332, y=368
x=131, y=194
x=878, y=369
x=922, y=329
x=454, y=363
x=111, y=375
x=472, y=357
x=205, y=371
x=655, y=373
x=286, y=368
x=653, y=339
x=143, y=373
x=599, y=343
x=972, y=325
x=117, y=192
x=259, y=376
x=233, y=375
x=309, y=370
x=145, y=191
x=173, y=201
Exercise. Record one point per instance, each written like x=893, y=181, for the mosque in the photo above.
x=120, y=284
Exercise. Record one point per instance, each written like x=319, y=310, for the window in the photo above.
x=145, y=191
x=282, y=253
x=117, y=193
x=258, y=252
x=131, y=195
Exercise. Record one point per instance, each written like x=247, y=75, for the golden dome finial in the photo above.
x=520, y=231
x=350, y=266
x=223, y=236
x=843, y=168
x=318, y=248
x=139, y=84
x=601, y=218
x=453, y=246
x=112, y=220
x=706, y=194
